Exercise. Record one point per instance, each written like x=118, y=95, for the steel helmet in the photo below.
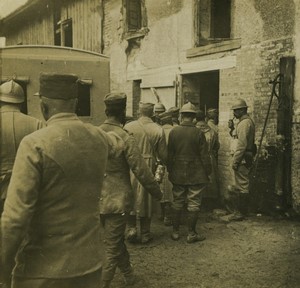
x=188, y=108
x=159, y=107
x=11, y=92
x=238, y=104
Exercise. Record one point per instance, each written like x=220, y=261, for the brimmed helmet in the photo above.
x=11, y=92
x=239, y=103
x=159, y=107
x=188, y=108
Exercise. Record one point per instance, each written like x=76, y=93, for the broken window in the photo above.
x=212, y=21
x=63, y=33
x=134, y=14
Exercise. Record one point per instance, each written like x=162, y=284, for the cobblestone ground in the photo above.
x=260, y=252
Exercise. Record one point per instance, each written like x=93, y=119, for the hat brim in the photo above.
x=11, y=99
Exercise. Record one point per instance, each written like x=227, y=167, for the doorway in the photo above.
x=201, y=89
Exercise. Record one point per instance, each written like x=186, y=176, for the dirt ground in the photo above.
x=260, y=252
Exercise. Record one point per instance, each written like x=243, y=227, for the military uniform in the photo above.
x=116, y=198
x=51, y=215
x=14, y=127
x=213, y=146
x=243, y=155
x=151, y=141
x=189, y=166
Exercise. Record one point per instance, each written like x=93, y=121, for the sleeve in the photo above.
x=162, y=150
x=171, y=152
x=243, y=130
x=140, y=168
x=204, y=153
x=115, y=143
x=19, y=207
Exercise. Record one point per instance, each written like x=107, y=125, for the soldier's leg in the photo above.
x=179, y=196
x=116, y=251
x=242, y=184
x=194, y=197
x=146, y=236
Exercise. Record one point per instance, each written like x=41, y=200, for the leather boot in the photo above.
x=162, y=211
x=193, y=236
x=168, y=214
x=176, y=222
x=146, y=236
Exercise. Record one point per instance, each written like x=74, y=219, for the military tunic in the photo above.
x=14, y=126
x=151, y=141
x=51, y=214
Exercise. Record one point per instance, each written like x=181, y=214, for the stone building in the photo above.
x=209, y=52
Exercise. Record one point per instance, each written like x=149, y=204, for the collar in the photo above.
x=187, y=123
x=9, y=108
x=62, y=117
x=245, y=116
x=113, y=122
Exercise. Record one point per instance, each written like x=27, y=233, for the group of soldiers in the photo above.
x=62, y=182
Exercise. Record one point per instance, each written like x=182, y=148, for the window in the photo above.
x=134, y=19
x=84, y=100
x=212, y=21
x=134, y=15
x=64, y=33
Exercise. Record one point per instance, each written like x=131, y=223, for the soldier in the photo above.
x=50, y=222
x=213, y=146
x=242, y=158
x=166, y=185
x=152, y=144
x=14, y=127
x=188, y=166
x=175, y=115
x=158, y=109
x=212, y=116
x=116, y=195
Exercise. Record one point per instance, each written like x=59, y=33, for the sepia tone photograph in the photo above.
x=150, y=143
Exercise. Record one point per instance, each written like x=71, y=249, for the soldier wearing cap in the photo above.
x=50, y=223
x=116, y=195
x=152, y=144
x=242, y=158
x=213, y=146
x=188, y=166
x=212, y=116
x=166, y=185
x=14, y=127
x=175, y=115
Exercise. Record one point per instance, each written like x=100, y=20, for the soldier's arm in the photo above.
x=242, y=135
x=20, y=203
x=171, y=152
x=204, y=153
x=140, y=169
x=162, y=149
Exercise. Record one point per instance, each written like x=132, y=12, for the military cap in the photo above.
x=174, y=110
x=11, y=92
x=58, y=86
x=146, y=107
x=188, y=108
x=165, y=117
x=115, y=99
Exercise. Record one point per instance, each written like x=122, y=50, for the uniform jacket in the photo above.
x=151, y=141
x=116, y=194
x=188, y=159
x=245, y=132
x=52, y=205
x=14, y=126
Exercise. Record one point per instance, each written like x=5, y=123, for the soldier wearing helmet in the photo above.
x=242, y=157
x=188, y=166
x=158, y=109
x=14, y=127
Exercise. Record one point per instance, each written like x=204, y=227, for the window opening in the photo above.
x=84, y=100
